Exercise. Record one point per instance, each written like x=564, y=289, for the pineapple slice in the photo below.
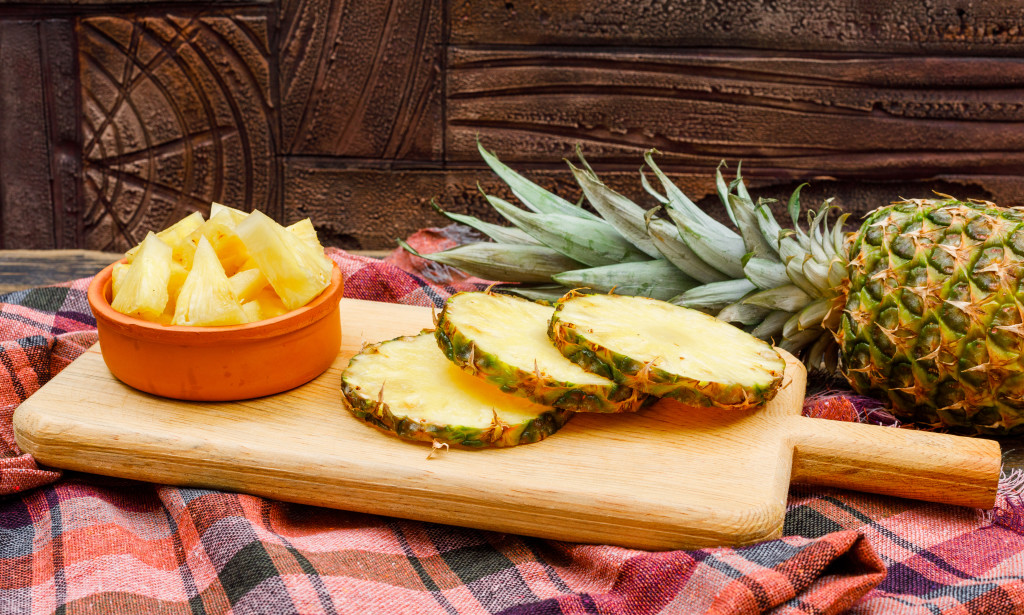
x=504, y=340
x=405, y=386
x=174, y=234
x=297, y=271
x=142, y=288
x=667, y=350
x=206, y=298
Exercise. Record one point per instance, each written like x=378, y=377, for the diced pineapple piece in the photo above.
x=117, y=275
x=297, y=271
x=178, y=276
x=246, y=283
x=267, y=304
x=219, y=231
x=142, y=288
x=248, y=264
x=252, y=311
x=304, y=230
x=206, y=298
x=174, y=234
x=237, y=215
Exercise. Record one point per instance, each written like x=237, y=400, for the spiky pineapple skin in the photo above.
x=366, y=406
x=650, y=379
x=465, y=353
x=933, y=316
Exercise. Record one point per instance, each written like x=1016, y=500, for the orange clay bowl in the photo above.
x=219, y=363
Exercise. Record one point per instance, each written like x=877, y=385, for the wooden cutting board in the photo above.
x=671, y=476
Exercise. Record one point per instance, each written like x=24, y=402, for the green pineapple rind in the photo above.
x=464, y=352
x=652, y=380
x=367, y=406
x=933, y=319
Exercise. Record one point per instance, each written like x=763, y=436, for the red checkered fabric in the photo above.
x=79, y=543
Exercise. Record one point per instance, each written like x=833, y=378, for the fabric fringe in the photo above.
x=845, y=406
x=1009, y=509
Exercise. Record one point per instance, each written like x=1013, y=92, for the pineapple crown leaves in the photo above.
x=785, y=285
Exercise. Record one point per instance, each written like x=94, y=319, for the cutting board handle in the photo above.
x=899, y=462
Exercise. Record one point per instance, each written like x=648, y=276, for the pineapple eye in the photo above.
x=912, y=302
x=940, y=217
x=979, y=228
x=874, y=236
x=903, y=247
x=1016, y=241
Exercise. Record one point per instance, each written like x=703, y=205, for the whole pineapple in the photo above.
x=932, y=320
x=919, y=306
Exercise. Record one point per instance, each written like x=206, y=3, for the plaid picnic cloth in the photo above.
x=78, y=543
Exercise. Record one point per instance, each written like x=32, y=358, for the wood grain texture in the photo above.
x=38, y=130
x=866, y=25
x=362, y=79
x=21, y=269
x=864, y=129
x=669, y=477
x=869, y=116
x=177, y=112
x=366, y=208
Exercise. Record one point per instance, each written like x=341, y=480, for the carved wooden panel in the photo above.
x=177, y=111
x=787, y=117
x=362, y=78
x=876, y=26
x=367, y=209
x=39, y=205
x=117, y=117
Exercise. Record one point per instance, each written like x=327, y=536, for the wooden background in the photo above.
x=117, y=117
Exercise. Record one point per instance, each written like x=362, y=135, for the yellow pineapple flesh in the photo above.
x=219, y=230
x=266, y=304
x=174, y=234
x=246, y=283
x=297, y=270
x=141, y=289
x=206, y=298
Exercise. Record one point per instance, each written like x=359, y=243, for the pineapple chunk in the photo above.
x=246, y=283
x=142, y=288
x=252, y=311
x=206, y=298
x=219, y=231
x=236, y=215
x=297, y=271
x=117, y=275
x=304, y=230
x=266, y=304
x=174, y=234
x=178, y=276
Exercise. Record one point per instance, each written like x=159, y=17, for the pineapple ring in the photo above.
x=406, y=387
x=504, y=340
x=667, y=350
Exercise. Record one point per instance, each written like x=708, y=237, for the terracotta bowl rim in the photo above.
x=321, y=306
